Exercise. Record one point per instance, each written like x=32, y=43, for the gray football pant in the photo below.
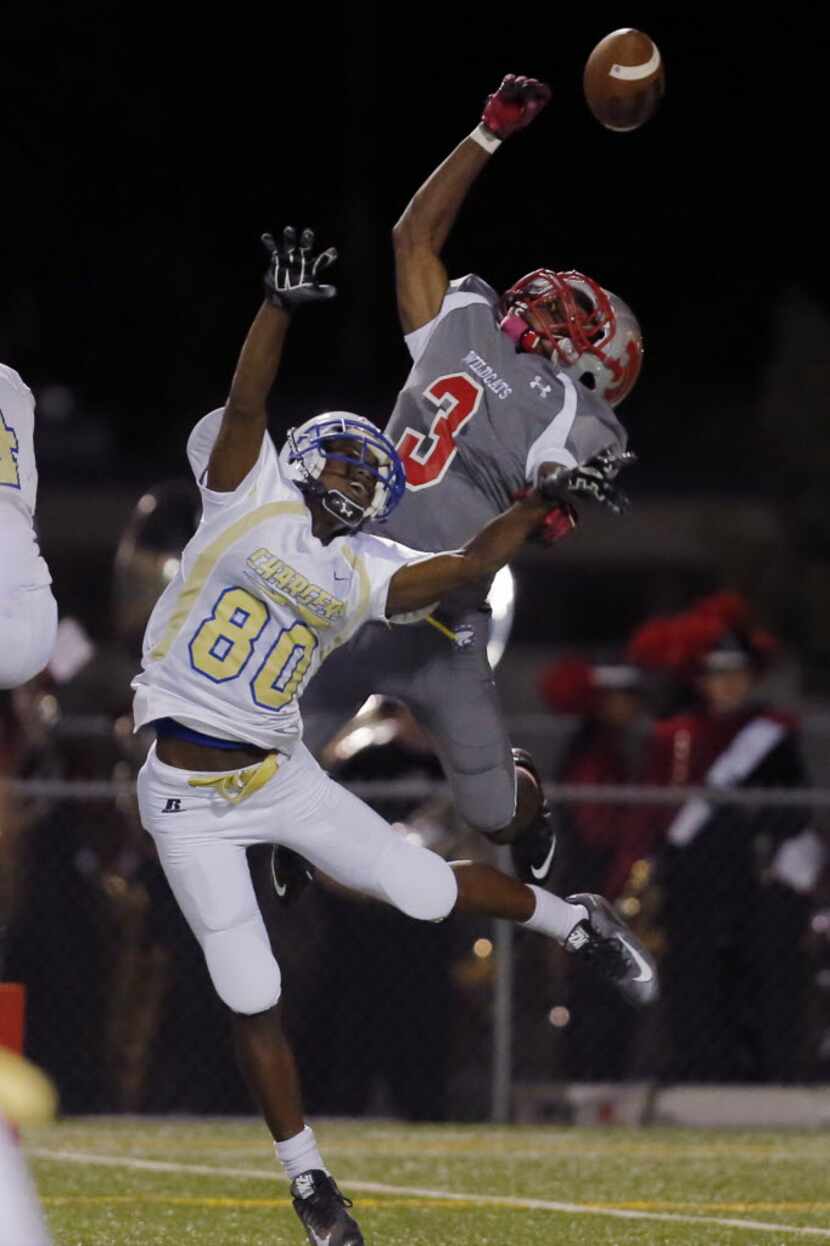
x=450, y=691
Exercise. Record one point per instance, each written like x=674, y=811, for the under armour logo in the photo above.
x=174, y=805
x=543, y=389
x=464, y=636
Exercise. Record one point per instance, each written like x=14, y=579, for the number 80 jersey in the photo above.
x=256, y=605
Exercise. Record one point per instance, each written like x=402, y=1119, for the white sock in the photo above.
x=21, y=1212
x=553, y=916
x=299, y=1154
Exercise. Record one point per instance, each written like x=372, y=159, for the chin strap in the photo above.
x=335, y=503
x=341, y=507
x=517, y=329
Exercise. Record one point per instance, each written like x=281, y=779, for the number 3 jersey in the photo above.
x=256, y=605
x=475, y=419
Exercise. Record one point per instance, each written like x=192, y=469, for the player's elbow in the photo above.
x=411, y=233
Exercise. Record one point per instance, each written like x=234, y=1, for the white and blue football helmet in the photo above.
x=304, y=456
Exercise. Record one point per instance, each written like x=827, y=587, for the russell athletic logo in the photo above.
x=174, y=805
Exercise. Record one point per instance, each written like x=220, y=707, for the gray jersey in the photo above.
x=473, y=422
x=476, y=418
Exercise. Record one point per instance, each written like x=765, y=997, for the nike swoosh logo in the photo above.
x=539, y=872
x=646, y=973
x=279, y=887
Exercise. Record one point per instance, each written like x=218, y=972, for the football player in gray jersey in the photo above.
x=505, y=390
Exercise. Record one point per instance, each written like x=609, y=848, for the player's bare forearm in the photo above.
x=245, y=419
x=432, y=210
x=422, y=583
x=421, y=232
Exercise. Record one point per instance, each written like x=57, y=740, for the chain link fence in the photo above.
x=466, y=1020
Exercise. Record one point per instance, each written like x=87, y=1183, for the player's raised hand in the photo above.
x=594, y=479
x=294, y=270
x=514, y=105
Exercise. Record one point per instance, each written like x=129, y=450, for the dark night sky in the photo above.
x=142, y=159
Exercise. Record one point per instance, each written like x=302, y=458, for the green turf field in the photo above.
x=119, y=1181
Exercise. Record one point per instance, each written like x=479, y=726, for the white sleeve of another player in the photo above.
x=17, y=407
x=14, y=391
x=417, y=340
x=265, y=473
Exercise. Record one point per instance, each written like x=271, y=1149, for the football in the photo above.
x=624, y=80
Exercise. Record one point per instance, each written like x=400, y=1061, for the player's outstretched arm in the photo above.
x=420, y=234
x=292, y=280
x=423, y=583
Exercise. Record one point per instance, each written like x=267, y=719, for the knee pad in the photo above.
x=417, y=881
x=530, y=805
x=485, y=799
x=242, y=968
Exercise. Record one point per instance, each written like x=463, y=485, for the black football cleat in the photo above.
x=290, y=874
x=322, y=1210
x=604, y=942
x=534, y=850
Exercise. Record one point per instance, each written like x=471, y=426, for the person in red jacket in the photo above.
x=734, y=969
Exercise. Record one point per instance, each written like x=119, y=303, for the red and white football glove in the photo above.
x=516, y=103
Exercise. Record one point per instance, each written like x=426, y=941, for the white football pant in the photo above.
x=28, y=627
x=201, y=835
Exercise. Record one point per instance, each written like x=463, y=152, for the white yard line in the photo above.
x=409, y=1191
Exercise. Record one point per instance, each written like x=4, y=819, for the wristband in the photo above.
x=485, y=139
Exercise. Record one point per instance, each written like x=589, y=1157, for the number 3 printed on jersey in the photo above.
x=426, y=457
x=9, y=474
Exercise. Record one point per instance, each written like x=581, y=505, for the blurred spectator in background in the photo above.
x=737, y=879
x=163, y=521
x=603, y=846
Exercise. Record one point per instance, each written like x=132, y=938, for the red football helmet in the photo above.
x=587, y=331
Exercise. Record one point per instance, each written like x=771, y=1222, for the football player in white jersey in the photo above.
x=28, y=612
x=277, y=575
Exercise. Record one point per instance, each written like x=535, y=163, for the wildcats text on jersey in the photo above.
x=281, y=580
x=481, y=368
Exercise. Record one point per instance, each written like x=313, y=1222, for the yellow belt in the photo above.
x=241, y=784
x=441, y=627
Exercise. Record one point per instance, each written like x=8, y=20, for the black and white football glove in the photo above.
x=594, y=479
x=293, y=276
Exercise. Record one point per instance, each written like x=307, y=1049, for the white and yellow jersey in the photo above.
x=21, y=564
x=257, y=604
